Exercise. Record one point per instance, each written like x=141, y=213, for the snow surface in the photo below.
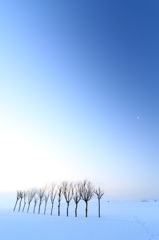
x=119, y=221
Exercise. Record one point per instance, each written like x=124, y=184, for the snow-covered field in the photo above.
x=119, y=221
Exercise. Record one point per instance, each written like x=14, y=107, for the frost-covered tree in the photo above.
x=17, y=199
x=21, y=195
x=59, y=198
x=52, y=196
x=67, y=190
x=41, y=195
x=30, y=194
x=77, y=195
x=24, y=197
x=99, y=193
x=46, y=200
x=87, y=193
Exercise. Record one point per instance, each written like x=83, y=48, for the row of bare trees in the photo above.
x=80, y=191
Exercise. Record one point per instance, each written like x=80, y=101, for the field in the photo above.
x=119, y=221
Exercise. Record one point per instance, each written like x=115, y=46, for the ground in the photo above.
x=119, y=221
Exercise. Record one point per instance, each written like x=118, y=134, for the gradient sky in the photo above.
x=74, y=78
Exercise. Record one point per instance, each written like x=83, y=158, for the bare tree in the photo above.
x=87, y=193
x=59, y=198
x=35, y=203
x=31, y=194
x=99, y=193
x=52, y=196
x=17, y=198
x=24, y=197
x=67, y=190
x=77, y=196
x=21, y=195
x=46, y=200
x=41, y=195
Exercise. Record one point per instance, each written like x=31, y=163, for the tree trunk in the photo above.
x=20, y=204
x=34, y=207
x=59, y=209
x=15, y=204
x=39, y=208
x=28, y=207
x=52, y=207
x=67, y=208
x=86, y=208
x=99, y=207
x=24, y=206
x=76, y=209
x=45, y=207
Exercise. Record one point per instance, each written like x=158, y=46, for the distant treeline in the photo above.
x=84, y=190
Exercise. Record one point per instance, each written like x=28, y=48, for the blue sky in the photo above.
x=74, y=77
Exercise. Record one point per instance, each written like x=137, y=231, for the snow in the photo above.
x=119, y=221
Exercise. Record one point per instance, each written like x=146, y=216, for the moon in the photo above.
x=138, y=118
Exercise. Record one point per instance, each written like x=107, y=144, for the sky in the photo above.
x=79, y=94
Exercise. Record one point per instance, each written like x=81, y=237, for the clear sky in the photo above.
x=79, y=94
